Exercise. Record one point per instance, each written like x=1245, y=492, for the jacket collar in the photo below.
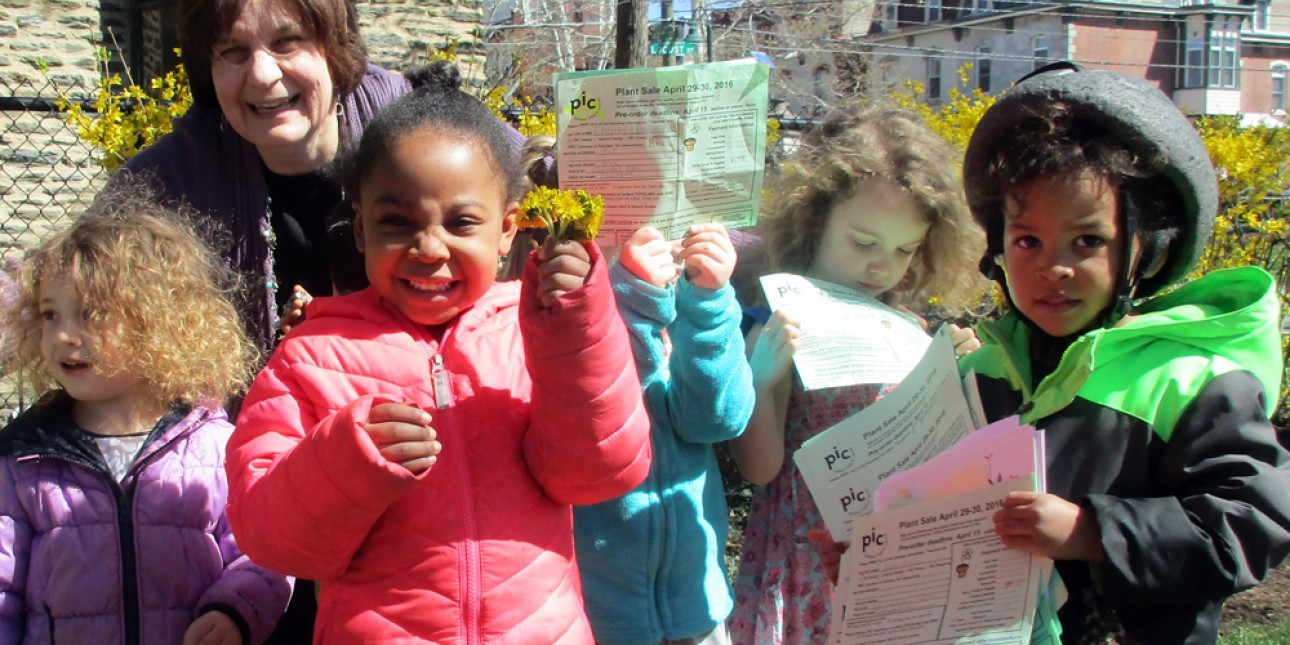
x=47, y=430
x=1230, y=313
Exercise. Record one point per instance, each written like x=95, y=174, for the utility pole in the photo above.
x=701, y=22
x=632, y=33
x=665, y=18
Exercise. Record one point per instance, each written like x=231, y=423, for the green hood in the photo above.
x=1153, y=364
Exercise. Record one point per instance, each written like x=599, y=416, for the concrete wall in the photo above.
x=400, y=33
x=63, y=33
x=45, y=171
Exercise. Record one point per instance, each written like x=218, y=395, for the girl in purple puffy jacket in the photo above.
x=112, y=486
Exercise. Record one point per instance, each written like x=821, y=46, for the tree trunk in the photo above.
x=632, y=34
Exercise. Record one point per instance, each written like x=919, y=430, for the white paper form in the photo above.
x=936, y=572
x=918, y=419
x=847, y=338
x=668, y=147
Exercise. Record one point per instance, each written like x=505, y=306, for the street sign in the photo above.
x=671, y=48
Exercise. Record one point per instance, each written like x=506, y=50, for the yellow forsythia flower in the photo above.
x=565, y=214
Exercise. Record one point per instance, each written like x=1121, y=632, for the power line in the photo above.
x=850, y=46
x=975, y=21
x=1154, y=21
x=766, y=40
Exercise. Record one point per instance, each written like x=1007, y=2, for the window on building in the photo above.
x=1194, y=66
x=820, y=84
x=934, y=10
x=1223, y=59
x=889, y=72
x=934, y=78
x=1040, y=52
x=893, y=14
x=1279, y=86
x=983, y=68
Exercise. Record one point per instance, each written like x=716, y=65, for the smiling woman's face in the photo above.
x=275, y=89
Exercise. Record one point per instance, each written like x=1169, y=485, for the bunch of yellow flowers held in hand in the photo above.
x=565, y=214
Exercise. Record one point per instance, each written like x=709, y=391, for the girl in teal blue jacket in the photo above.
x=652, y=561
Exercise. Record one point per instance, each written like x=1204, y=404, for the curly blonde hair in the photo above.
x=867, y=141
x=150, y=284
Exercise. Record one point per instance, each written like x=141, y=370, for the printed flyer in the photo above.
x=935, y=572
x=847, y=337
x=924, y=415
x=668, y=147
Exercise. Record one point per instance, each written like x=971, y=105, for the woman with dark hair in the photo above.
x=280, y=89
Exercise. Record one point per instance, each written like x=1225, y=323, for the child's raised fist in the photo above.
x=648, y=256
x=708, y=255
x=563, y=266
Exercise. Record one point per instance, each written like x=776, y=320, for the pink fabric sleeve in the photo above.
x=589, y=437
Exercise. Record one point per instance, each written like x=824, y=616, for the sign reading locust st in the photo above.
x=671, y=48
x=668, y=38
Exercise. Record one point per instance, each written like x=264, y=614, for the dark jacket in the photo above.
x=1159, y=427
x=85, y=559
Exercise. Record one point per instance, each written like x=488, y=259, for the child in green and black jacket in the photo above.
x=1167, y=488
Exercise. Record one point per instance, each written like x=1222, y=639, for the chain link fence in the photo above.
x=47, y=176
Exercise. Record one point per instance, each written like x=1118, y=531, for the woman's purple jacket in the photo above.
x=85, y=559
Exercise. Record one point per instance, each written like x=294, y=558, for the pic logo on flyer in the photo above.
x=873, y=544
x=840, y=458
x=583, y=108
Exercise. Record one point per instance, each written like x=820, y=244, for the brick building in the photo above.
x=1211, y=58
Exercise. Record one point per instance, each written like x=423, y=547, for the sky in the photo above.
x=682, y=9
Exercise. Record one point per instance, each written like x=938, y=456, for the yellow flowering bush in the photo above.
x=565, y=214
x=772, y=131
x=447, y=52
x=125, y=118
x=532, y=120
x=955, y=119
x=1252, y=165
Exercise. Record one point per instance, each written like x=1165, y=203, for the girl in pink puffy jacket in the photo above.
x=112, y=488
x=416, y=446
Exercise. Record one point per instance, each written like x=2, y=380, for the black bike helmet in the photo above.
x=1138, y=115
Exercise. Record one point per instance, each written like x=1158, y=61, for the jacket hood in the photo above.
x=1232, y=315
